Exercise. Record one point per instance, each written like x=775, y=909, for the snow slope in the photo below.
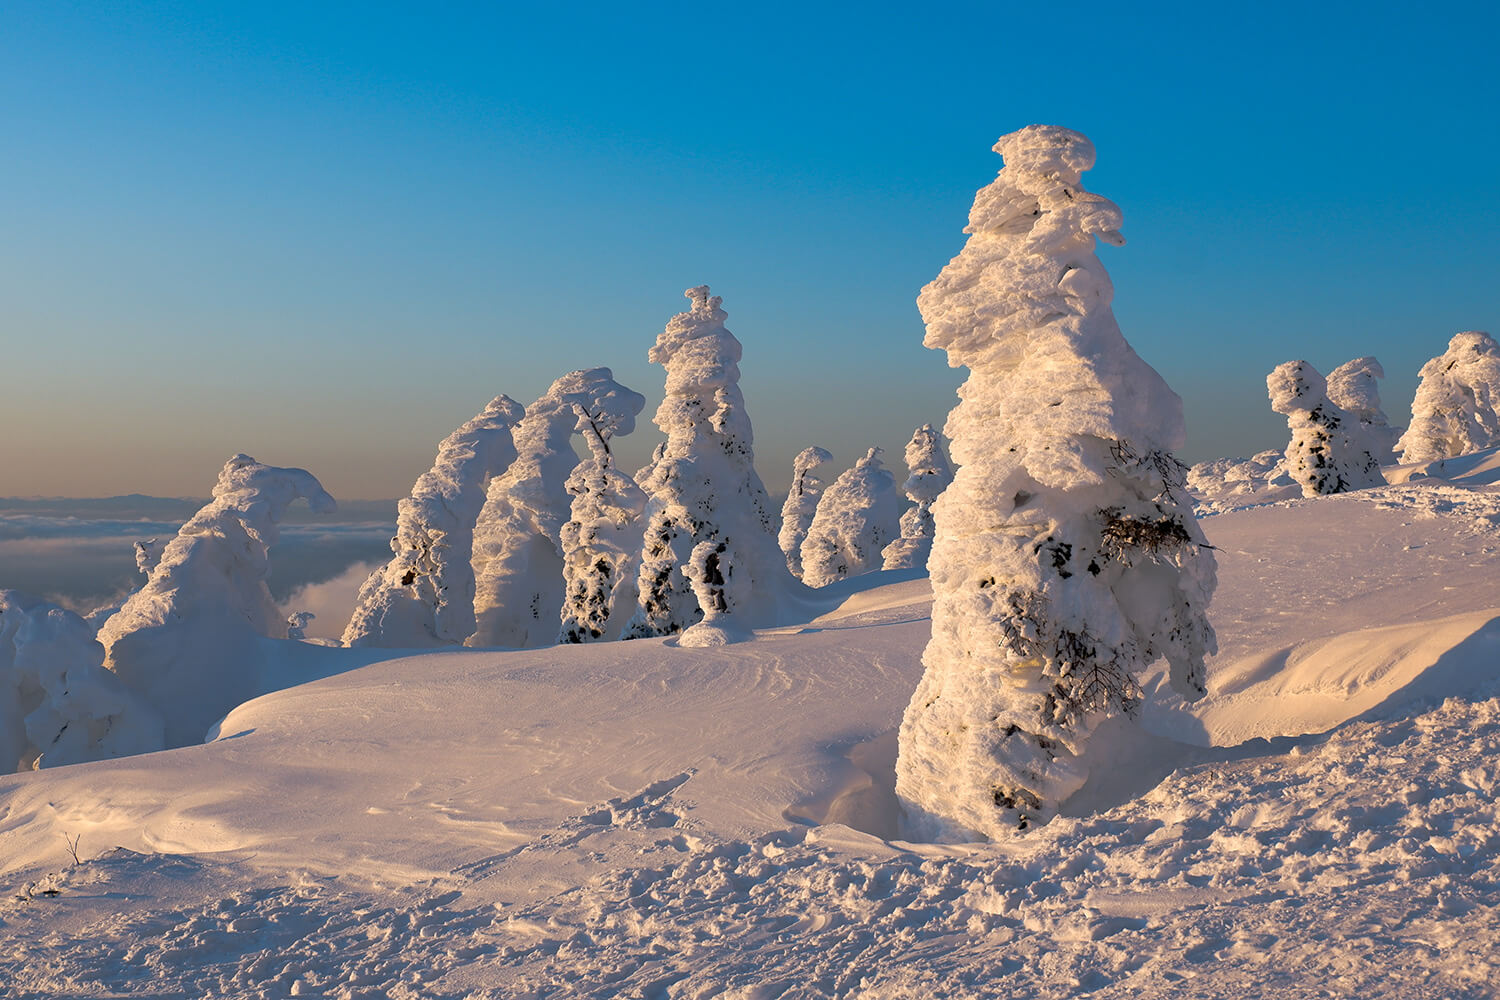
x=640, y=819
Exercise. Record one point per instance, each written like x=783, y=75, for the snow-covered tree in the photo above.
x=518, y=556
x=187, y=641
x=424, y=597
x=297, y=622
x=704, y=488
x=1328, y=452
x=928, y=474
x=1067, y=558
x=1352, y=388
x=1457, y=407
x=58, y=705
x=856, y=518
x=601, y=542
x=801, y=504
x=147, y=554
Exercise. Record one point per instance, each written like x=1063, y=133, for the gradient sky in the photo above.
x=326, y=234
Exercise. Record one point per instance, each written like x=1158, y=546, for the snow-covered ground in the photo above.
x=640, y=819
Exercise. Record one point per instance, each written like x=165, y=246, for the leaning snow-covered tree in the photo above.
x=1353, y=389
x=187, y=641
x=424, y=597
x=801, y=504
x=1067, y=558
x=601, y=541
x=1328, y=452
x=1457, y=407
x=857, y=518
x=518, y=556
x=704, y=488
x=928, y=474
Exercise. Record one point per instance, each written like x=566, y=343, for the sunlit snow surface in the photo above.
x=637, y=819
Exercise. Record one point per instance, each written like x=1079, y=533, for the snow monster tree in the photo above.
x=928, y=474
x=1457, y=407
x=1328, y=452
x=856, y=519
x=801, y=504
x=1066, y=558
x=1353, y=389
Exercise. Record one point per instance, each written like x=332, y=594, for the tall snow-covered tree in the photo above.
x=1352, y=388
x=1328, y=452
x=1067, y=558
x=856, y=518
x=518, y=555
x=1457, y=407
x=424, y=597
x=703, y=487
x=186, y=642
x=928, y=474
x=801, y=504
x=601, y=542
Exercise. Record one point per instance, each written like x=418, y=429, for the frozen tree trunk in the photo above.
x=857, y=518
x=1066, y=558
x=801, y=504
x=1328, y=453
x=928, y=474
x=601, y=542
x=1455, y=409
x=186, y=641
x=703, y=486
x=518, y=554
x=424, y=597
x=1352, y=388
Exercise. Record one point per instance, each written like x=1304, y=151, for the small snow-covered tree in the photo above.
x=928, y=474
x=801, y=504
x=58, y=705
x=147, y=554
x=1353, y=389
x=186, y=642
x=518, y=555
x=1328, y=452
x=601, y=541
x=1067, y=558
x=856, y=518
x=703, y=487
x=424, y=597
x=1457, y=407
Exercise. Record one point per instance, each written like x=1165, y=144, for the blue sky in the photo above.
x=326, y=234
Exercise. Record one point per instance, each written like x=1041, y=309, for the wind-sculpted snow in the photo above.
x=1457, y=407
x=801, y=504
x=1066, y=558
x=928, y=474
x=518, y=554
x=424, y=596
x=856, y=518
x=185, y=642
x=1329, y=452
x=1352, y=388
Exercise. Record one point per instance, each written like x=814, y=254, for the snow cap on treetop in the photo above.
x=705, y=319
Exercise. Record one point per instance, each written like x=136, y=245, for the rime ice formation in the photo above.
x=801, y=503
x=1352, y=388
x=703, y=487
x=518, y=559
x=58, y=705
x=856, y=518
x=601, y=542
x=424, y=597
x=1328, y=452
x=1066, y=558
x=297, y=622
x=928, y=473
x=147, y=555
x=186, y=641
x=1455, y=409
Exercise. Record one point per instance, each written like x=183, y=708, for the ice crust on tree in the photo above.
x=1066, y=558
x=185, y=642
x=424, y=597
x=801, y=504
x=1328, y=452
x=601, y=541
x=1455, y=409
x=857, y=517
x=703, y=487
x=928, y=473
x=518, y=555
x=1352, y=388
x=58, y=705
x=147, y=554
